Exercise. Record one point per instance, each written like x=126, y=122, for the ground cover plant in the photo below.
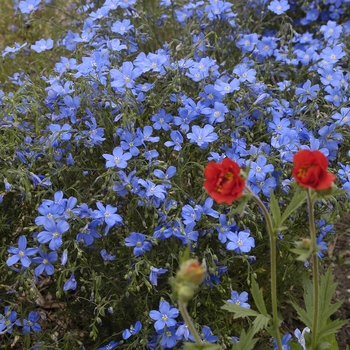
x=171, y=173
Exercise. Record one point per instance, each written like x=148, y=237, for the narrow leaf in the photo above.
x=275, y=209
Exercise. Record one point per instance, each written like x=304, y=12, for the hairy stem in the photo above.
x=188, y=321
x=315, y=271
x=273, y=267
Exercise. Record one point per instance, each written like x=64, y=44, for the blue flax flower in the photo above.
x=118, y=159
x=278, y=7
x=285, y=340
x=165, y=316
x=112, y=345
x=202, y=136
x=307, y=92
x=155, y=272
x=21, y=253
x=239, y=299
x=28, y=6
x=108, y=215
x=44, y=260
x=42, y=45
x=106, y=256
x=53, y=233
x=206, y=335
x=241, y=242
x=169, y=337
x=71, y=283
x=138, y=240
x=132, y=330
x=31, y=323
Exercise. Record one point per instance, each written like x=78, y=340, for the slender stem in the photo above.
x=188, y=322
x=315, y=272
x=273, y=268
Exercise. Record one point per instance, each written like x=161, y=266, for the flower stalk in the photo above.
x=273, y=267
x=315, y=270
x=187, y=319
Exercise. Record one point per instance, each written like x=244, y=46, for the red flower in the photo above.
x=223, y=181
x=310, y=170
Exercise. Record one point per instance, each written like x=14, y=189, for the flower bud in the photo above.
x=191, y=271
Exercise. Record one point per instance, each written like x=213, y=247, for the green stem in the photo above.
x=273, y=267
x=188, y=322
x=315, y=271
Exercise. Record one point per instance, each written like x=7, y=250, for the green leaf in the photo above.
x=295, y=346
x=275, y=209
x=260, y=322
x=246, y=341
x=203, y=346
x=331, y=328
x=297, y=200
x=239, y=311
x=258, y=297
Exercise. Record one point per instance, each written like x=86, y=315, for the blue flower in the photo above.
x=278, y=7
x=206, y=335
x=118, y=159
x=168, y=337
x=202, y=136
x=31, y=323
x=125, y=77
x=21, y=253
x=165, y=316
x=106, y=256
x=239, y=299
x=152, y=189
x=176, y=142
x=307, y=92
x=241, y=242
x=112, y=345
x=161, y=120
x=71, y=283
x=155, y=272
x=44, y=260
x=42, y=45
x=53, y=233
x=138, y=240
x=88, y=233
x=121, y=27
x=301, y=336
x=29, y=6
x=285, y=340
x=259, y=169
x=132, y=330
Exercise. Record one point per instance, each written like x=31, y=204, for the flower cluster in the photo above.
x=103, y=155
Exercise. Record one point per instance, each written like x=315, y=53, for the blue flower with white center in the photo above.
x=259, y=169
x=119, y=159
x=44, y=260
x=132, y=330
x=241, y=242
x=202, y=136
x=239, y=299
x=21, y=253
x=165, y=317
x=138, y=240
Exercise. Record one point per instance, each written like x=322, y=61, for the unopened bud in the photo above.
x=191, y=271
